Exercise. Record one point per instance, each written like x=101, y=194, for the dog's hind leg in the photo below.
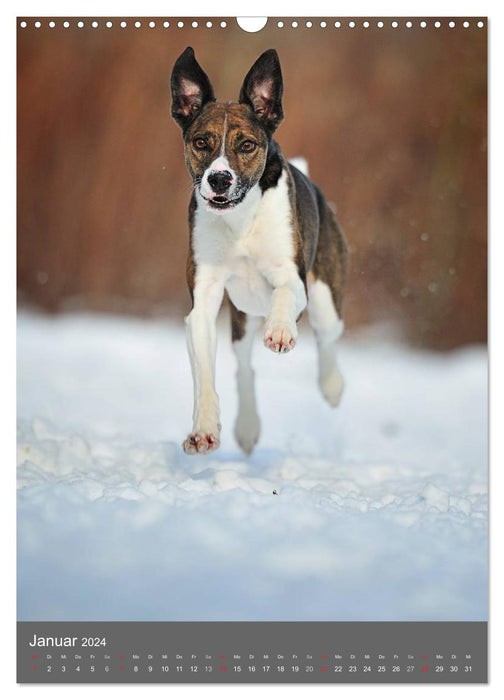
x=326, y=281
x=247, y=426
x=328, y=327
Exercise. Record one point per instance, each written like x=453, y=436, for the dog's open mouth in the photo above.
x=221, y=202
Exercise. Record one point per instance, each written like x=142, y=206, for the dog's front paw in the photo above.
x=200, y=443
x=280, y=338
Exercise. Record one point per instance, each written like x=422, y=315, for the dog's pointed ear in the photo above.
x=190, y=87
x=262, y=90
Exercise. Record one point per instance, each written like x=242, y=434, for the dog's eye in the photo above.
x=200, y=144
x=248, y=146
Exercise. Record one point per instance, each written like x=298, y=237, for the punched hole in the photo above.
x=252, y=24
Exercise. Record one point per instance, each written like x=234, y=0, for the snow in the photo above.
x=380, y=511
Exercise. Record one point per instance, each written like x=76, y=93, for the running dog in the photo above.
x=261, y=231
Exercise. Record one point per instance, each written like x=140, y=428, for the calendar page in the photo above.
x=251, y=341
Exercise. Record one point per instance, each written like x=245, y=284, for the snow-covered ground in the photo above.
x=380, y=505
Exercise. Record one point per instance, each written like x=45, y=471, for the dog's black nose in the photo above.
x=220, y=181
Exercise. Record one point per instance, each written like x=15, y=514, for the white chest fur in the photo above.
x=248, y=289
x=249, y=249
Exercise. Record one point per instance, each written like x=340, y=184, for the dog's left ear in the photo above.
x=191, y=89
x=262, y=90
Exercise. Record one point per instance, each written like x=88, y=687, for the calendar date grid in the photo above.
x=166, y=662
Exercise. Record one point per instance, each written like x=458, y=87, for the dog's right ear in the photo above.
x=190, y=88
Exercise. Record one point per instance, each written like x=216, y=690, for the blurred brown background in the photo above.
x=392, y=122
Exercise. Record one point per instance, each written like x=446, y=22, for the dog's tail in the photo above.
x=301, y=164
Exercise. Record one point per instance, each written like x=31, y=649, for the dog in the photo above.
x=260, y=231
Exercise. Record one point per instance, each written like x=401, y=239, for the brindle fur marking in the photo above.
x=331, y=259
x=190, y=263
x=238, y=322
x=223, y=126
x=273, y=169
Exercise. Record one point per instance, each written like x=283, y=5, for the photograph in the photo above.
x=252, y=369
